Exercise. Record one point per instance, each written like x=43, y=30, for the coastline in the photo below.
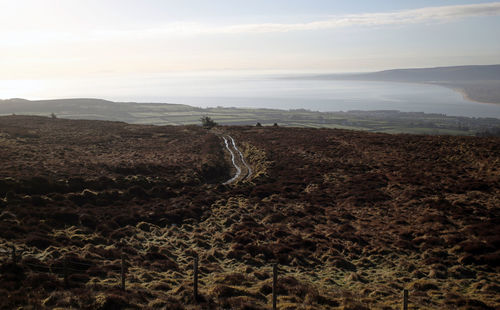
x=463, y=92
x=484, y=90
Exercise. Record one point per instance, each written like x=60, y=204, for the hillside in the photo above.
x=457, y=73
x=352, y=218
x=479, y=83
x=87, y=108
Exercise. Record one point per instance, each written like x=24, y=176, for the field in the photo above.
x=386, y=121
x=352, y=218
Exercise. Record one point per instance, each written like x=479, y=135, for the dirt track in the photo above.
x=243, y=170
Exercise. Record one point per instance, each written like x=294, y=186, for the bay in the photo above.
x=256, y=91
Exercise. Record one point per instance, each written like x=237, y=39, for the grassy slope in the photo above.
x=351, y=217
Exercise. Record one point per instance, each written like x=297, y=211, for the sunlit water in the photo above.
x=256, y=92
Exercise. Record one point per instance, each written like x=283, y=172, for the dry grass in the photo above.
x=352, y=218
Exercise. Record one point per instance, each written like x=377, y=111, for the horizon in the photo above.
x=160, y=51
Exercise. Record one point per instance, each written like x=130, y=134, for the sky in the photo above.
x=85, y=38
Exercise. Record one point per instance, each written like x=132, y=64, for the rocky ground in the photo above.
x=351, y=218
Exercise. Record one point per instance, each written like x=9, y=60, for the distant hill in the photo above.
x=478, y=83
x=43, y=105
x=87, y=108
x=460, y=73
x=441, y=74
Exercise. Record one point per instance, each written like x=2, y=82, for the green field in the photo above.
x=387, y=121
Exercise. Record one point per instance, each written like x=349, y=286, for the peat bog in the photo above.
x=352, y=218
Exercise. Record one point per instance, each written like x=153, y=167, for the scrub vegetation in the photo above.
x=352, y=218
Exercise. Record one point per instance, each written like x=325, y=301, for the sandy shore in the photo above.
x=465, y=94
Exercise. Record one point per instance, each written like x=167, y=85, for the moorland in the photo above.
x=351, y=218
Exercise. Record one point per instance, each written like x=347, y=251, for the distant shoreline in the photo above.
x=456, y=88
x=476, y=83
x=461, y=89
x=465, y=95
x=463, y=92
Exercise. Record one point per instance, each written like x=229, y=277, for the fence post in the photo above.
x=405, y=299
x=66, y=282
x=123, y=273
x=14, y=257
x=275, y=285
x=195, y=278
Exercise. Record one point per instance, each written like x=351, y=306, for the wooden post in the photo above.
x=275, y=285
x=66, y=282
x=123, y=273
x=195, y=278
x=405, y=299
x=14, y=257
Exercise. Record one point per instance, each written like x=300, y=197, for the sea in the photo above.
x=273, y=91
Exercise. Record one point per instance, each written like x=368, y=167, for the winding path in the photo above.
x=237, y=161
x=249, y=170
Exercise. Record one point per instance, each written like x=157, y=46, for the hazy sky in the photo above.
x=77, y=38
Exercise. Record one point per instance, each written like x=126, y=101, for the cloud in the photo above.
x=182, y=29
x=414, y=16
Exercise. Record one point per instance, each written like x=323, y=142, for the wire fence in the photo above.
x=68, y=265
